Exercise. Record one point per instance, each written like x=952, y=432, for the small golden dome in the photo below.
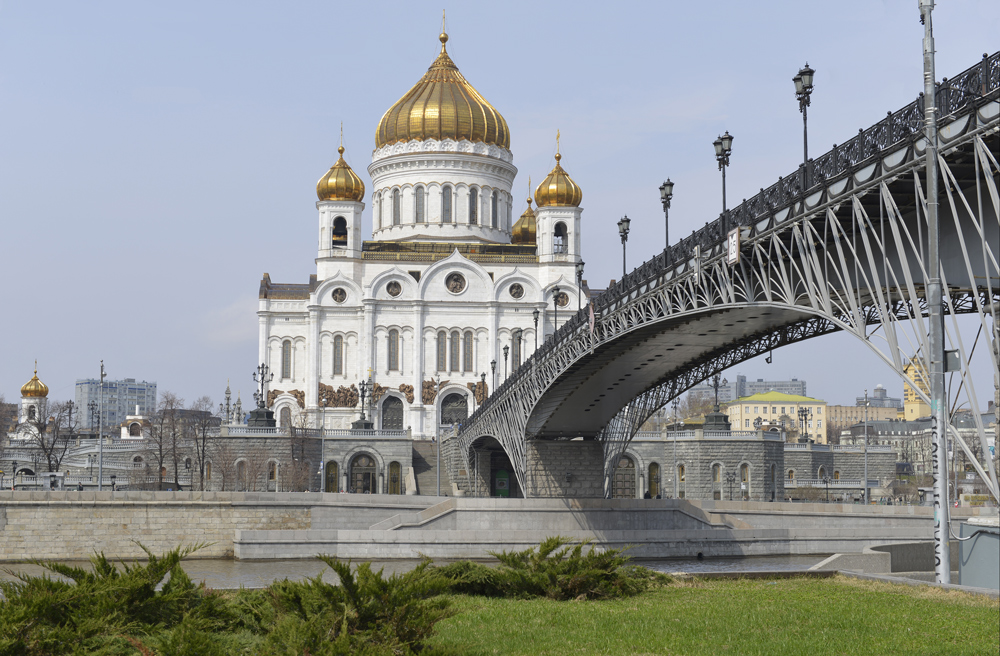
x=442, y=105
x=34, y=387
x=525, y=229
x=340, y=182
x=558, y=189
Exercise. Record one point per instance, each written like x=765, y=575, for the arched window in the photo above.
x=836, y=474
x=559, y=244
x=623, y=482
x=208, y=471
x=395, y=207
x=473, y=206
x=134, y=430
x=716, y=482
x=377, y=212
x=286, y=359
x=467, y=351
x=745, y=481
x=442, y=351
x=516, y=338
x=272, y=471
x=680, y=473
x=454, y=409
x=137, y=461
x=681, y=480
x=392, y=414
x=393, y=350
x=654, y=479
x=446, y=204
x=822, y=473
x=791, y=474
x=339, y=231
x=395, y=479
x=494, y=216
x=418, y=205
x=285, y=417
x=338, y=355
x=454, y=351
x=241, y=475
x=31, y=413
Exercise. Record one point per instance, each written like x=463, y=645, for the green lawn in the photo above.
x=786, y=616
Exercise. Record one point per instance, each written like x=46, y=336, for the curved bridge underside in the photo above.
x=848, y=254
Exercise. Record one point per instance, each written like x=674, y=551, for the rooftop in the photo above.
x=778, y=397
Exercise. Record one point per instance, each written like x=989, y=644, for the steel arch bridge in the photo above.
x=838, y=246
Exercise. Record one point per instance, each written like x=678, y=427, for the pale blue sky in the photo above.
x=157, y=158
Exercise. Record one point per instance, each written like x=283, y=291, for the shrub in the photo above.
x=554, y=570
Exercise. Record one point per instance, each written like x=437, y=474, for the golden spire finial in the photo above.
x=444, y=34
x=529, y=191
x=36, y=366
x=340, y=149
x=558, y=156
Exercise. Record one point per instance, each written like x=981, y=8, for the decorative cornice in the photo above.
x=447, y=146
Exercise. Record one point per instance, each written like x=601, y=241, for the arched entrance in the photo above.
x=392, y=414
x=492, y=473
x=654, y=480
x=454, y=409
x=623, y=479
x=330, y=474
x=363, y=477
x=395, y=483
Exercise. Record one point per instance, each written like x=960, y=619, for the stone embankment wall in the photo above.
x=74, y=525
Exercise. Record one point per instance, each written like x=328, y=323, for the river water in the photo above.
x=228, y=574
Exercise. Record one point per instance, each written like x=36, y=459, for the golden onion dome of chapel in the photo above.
x=558, y=189
x=34, y=387
x=442, y=105
x=526, y=228
x=340, y=182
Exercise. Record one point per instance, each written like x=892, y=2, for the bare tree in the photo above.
x=167, y=437
x=50, y=430
x=223, y=456
x=203, y=426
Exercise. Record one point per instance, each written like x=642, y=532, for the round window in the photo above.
x=516, y=291
x=455, y=283
x=394, y=289
x=339, y=295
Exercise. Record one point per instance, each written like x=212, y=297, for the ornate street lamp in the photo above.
x=534, y=315
x=666, y=193
x=804, y=414
x=826, y=479
x=364, y=389
x=493, y=363
x=723, y=149
x=506, y=350
x=579, y=284
x=730, y=478
x=555, y=305
x=716, y=383
x=803, y=90
x=623, y=225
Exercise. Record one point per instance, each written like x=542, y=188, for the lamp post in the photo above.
x=803, y=90
x=555, y=311
x=666, y=193
x=100, y=431
x=579, y=285
x=364, y=389
x=730, y=478
x=534, y=315
x=623, y=225
x=674, y=475
x=493, y=363
x=13, y=475
x=506, y=350
x=866, y=449
x=113, y=477
x=716, y=384
x=804, y=414
x=826, y=479
x=437, y=440
x=723, y=149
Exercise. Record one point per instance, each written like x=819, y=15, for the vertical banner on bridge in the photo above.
x=733, y=247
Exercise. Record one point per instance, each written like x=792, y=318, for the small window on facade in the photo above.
x=286, y=359
x=442, y=351
x=133, y=430
x=559, y=244
x=208, y=471
x=473, y=206
x=680, y=473
x=654, y=479
x=716, y=474
x=393, y=350
x=418, y=205
x=395, y=207
x=744, y=473
x=338, y=355
x=494, y=217
x=285, y=418
x=791, y=474
x=454, y=350
x=467, y=351
x=446, y=204
x=272, y=471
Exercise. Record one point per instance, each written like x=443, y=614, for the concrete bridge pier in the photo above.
x=565, y=469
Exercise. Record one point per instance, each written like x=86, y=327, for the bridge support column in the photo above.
x=573, y=470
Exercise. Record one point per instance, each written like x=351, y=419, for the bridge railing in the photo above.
x=951, y=96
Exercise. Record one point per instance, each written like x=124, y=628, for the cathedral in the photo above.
x=448, y=296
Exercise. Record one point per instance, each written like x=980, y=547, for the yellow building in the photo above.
x=913, y=405
x=773, y=407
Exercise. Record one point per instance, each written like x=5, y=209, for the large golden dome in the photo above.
x=558, y=189
x=34, y=387
x=340, y=182
x=442, y=105
x=526, y=228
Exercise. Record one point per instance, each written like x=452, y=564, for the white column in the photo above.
x=418, y=350
x=314, y=351
x=366, y=341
